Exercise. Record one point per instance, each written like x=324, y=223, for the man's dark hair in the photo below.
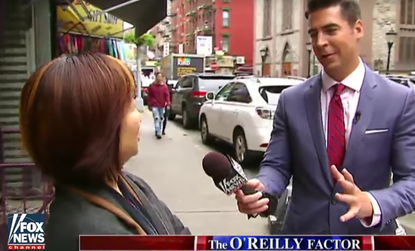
x=350, y=8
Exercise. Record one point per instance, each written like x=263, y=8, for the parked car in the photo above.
x=189, y=94
x=144, y=89
x=172, y=83
x=403, y=80
x=241, y=114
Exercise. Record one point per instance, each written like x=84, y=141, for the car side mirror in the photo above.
x=210, y=96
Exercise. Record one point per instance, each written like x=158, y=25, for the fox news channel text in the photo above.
x=88, y=243
x=26, y=232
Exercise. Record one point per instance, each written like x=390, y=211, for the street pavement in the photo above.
x=172, y=167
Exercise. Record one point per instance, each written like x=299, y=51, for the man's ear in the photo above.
x=358, y=27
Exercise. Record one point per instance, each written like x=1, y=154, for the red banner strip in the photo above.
x=401, y=242
x=131, y=242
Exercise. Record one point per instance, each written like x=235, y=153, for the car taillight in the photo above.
x=199, y=94
x=264, y=112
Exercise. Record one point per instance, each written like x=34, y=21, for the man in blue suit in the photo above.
x=339, y=136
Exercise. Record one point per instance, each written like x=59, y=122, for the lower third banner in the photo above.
x=89, y=243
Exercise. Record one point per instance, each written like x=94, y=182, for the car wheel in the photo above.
x=204, y=131
x=240, y=147
x=171, y=116
x=185, y=119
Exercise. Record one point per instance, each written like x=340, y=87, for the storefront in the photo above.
x=28, y=40
x=102, y=33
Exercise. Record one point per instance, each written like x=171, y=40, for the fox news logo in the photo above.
x=26, y=231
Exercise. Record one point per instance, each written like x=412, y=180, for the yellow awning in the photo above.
x=105, y=25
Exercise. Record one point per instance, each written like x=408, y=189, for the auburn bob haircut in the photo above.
x=71, y=111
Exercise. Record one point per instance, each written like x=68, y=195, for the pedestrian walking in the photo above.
x=167, y=108
x=158, y=101
x=341, y=143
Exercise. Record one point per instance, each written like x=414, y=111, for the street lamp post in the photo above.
x=308, y=46
x=390, y=39
x=264, y=54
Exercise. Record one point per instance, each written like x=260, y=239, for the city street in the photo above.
x=172, y=166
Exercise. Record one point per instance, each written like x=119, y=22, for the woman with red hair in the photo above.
x=80, y=125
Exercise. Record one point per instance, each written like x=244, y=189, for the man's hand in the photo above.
x=252, y=204
x=150, y=108
x=358, y=201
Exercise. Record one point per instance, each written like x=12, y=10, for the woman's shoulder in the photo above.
x=71, y=215
x=143, y=185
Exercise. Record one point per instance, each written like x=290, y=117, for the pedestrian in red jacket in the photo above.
x=158, y=101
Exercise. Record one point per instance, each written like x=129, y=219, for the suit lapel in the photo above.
x=365, y=107
x=313, y=107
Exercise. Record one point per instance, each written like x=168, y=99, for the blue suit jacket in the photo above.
x=297, y=149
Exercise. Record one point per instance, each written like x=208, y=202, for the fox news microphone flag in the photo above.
x=103, y=243
x=26, y=232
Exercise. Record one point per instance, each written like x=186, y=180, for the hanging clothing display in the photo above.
x=71, y=43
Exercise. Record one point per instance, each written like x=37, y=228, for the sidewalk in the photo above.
x=172, y=167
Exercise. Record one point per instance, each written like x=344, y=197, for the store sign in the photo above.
x=105, y=24
x=183, y=61
x=187, y=65
x=166, y=49
x=204, y=45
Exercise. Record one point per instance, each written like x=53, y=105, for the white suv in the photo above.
x=242, y=112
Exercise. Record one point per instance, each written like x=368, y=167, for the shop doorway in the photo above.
x=266, y=67
x=267, y=70
x=287, y=61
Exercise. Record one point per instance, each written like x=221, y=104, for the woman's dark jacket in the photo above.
x=91, y=212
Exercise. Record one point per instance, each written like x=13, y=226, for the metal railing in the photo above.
x=17, y=192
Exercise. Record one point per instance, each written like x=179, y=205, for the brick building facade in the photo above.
x=229, y=22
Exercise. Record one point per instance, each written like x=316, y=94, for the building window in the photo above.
x=266, y=26
x=407, y=12
x=407, y=50
x=287, y=18
x=225, y=18
x=406, y=43
x=225, y=43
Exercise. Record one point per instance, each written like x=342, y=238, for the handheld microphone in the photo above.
x=229, y=176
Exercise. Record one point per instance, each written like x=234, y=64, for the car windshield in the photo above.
x=213, y=83
x=271, y=94
x=401, y=81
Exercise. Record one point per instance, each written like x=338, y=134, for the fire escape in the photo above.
x=192, y=17
x=173, y=32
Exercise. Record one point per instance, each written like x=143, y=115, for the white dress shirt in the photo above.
x=350, y=100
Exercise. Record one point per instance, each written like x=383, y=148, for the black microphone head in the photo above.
x=216, y=165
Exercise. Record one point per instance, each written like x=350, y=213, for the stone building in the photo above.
x=281, y=31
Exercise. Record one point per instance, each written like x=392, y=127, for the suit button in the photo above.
x=333, y=201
